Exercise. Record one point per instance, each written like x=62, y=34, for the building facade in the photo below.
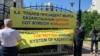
x=6, y=4
x=95, y=6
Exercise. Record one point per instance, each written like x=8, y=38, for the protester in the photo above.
x=94, y=39
x=78, y=41
x=1, y=24
x=9, y=38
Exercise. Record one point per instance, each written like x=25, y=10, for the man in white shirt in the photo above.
x=9, y=38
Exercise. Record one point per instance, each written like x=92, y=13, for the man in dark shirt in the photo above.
x=78, y=40
x=94, y=39
x=1, y=26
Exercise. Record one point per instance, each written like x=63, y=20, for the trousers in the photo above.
x=9, y=51
x=96, y=45
x=78, y=47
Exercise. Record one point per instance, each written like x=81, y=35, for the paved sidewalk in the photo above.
x=86, y=50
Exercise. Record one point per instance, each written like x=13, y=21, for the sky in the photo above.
x=85, y=4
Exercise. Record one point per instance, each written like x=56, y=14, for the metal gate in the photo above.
x=45, y=50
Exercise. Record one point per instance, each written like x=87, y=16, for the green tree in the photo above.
x=90, y=19
x=97, y=23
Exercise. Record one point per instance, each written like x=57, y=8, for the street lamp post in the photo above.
x=72, y=4
x=79, y=15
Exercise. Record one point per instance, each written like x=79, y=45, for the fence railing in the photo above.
x=51, y=8
x=5, y=10
x=66, y=50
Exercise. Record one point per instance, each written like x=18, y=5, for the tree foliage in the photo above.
x=90, y=19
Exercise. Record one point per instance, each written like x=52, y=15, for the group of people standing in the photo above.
x=9, y=38
x=80, y=36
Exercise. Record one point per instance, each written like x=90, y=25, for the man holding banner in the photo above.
x=78, y=41
x=9, y=38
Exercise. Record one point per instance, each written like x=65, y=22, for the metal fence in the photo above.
x=47, y=8
x=49, y=50
x=4, y=11
x=65, y=50
x=41, y=51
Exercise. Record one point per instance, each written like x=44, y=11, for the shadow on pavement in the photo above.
x=85, y=51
